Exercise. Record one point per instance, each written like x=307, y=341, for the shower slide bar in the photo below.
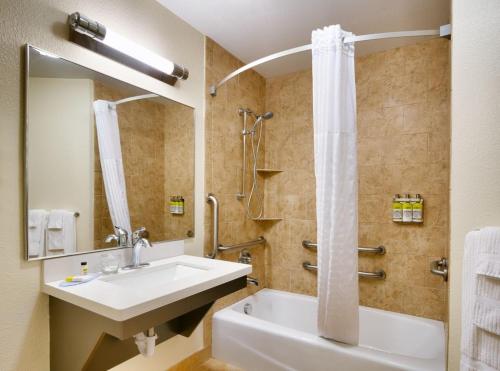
x=379, y=250
x=216, y=246
x=443, y=31
x=377, y=275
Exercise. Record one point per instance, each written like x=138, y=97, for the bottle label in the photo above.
x=397, y=214
x=407, y=214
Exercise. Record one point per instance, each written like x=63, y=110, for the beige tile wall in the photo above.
x=179, y=168
x=403, y=139
x=223, y=160
x=157, y=139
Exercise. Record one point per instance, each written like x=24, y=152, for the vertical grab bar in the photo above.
x=215, y=242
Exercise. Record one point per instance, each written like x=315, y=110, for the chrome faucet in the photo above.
x=121, y=237
x=139, y=241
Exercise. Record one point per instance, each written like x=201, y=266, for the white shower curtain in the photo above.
x=334, y=113
x=110, y=153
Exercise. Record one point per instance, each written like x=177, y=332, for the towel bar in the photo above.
x=379, y=250
x=379, y=275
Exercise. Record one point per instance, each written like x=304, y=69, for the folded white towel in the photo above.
x=56, y=219
x=481, y=301
x=61, y=232
x=37, y=220
x=486, y=315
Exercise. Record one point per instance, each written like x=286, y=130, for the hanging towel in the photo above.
x=481, y=301
x=335, y=163
x=61, y=232
x=37, y=220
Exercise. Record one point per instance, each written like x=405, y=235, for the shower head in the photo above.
x=260, y=118
x=266, y=116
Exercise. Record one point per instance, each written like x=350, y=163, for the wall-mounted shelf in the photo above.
x=269, y=171
x=264, y=219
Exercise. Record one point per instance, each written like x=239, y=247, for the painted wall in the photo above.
x=24, y=331
x=60, y=147
x=475, y=140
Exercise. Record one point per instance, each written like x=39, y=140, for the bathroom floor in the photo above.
x=202, y=361
x=213, y=364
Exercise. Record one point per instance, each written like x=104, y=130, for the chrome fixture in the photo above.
x=379, y=250
x=215, y=238
x=247, y=308
x=96, y=37
x=255, y=139
x=139, y=240
x=443, y=31
x=245, y=112
x=245, y=257
x=379, y=275
x=121, y=237
x=440, y=268
x=258, y=241
x=252, y=281
x=87, y=26
x=216, y=246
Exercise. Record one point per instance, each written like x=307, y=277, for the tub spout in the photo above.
x=252, y=281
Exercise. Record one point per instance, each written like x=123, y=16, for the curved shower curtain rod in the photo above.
x=443, y=31
x=137, y=97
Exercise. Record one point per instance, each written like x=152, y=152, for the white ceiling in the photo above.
x=251, y=29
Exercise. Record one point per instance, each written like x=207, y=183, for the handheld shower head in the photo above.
x=267, y=115
x=264, y=116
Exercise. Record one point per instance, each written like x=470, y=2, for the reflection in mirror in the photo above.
x=103, y=158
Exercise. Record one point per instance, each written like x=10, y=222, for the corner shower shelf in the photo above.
x=269, y=171
x=264, y=219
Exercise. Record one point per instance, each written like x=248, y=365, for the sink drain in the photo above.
x=247, y=308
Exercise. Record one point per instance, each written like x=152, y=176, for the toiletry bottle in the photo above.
x=181, y=203
x=172, y=204
x=407, y=209
x=176, y=204
x=84, y=269
x=397, y=209
x=417, y=209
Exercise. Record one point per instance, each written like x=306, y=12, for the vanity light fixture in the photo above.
x=100, y=39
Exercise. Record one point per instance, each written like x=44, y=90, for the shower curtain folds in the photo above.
x=110, y=154
x=335, y=162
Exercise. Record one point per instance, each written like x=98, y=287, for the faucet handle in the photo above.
x=140, y=233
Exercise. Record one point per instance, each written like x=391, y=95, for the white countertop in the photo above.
x=123, y=301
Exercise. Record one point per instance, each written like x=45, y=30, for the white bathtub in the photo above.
x=280, y=334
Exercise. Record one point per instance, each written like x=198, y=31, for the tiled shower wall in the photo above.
x=156, y=139
x=403, y=138
x=223, y=162
x=145, y=184
x=403, y=147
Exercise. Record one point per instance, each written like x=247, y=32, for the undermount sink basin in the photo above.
x=130, y=293
x=154, y=276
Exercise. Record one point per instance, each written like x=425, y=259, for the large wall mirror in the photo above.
x=101, y=154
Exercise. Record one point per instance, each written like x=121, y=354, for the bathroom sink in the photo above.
x=130, y=293
x=156, y=276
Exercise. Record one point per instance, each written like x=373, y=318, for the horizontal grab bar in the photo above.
x=380, y=250
x=379, y=275
x=260, y=240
